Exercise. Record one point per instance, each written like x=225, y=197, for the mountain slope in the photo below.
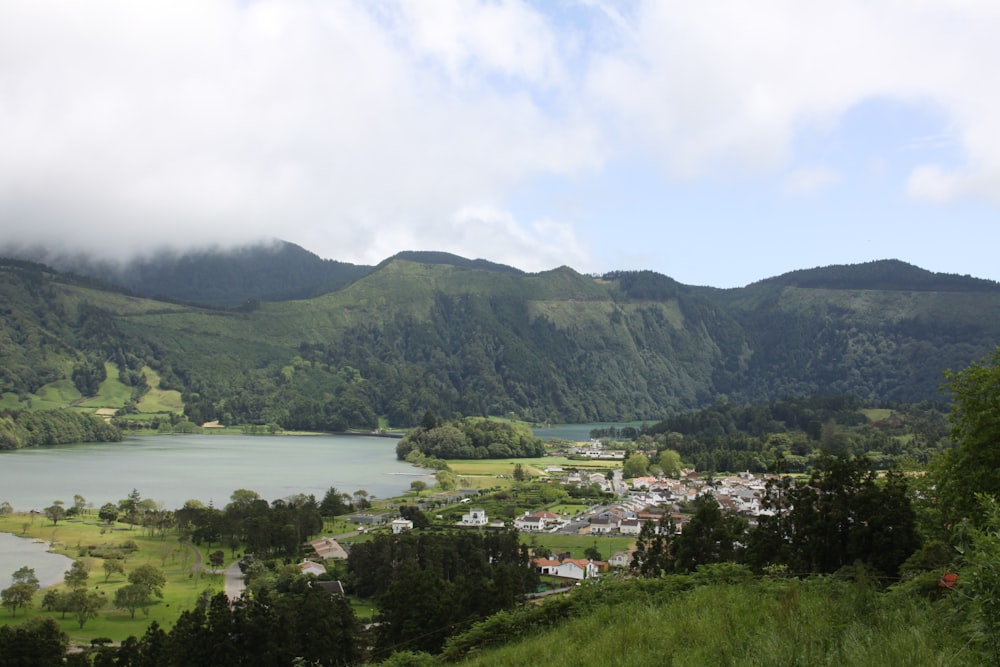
x=435, y=332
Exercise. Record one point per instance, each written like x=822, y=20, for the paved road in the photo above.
x=234, y=581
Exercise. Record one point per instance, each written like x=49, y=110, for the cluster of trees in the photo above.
x=841, y=515
x=267, y=530
x=469, y=438
x=727, y=437
x=33, y=428
x=297, y=623
x=428, y=585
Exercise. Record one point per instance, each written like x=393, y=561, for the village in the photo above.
x=627, y=506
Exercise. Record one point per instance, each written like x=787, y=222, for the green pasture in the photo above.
x=534, y=467
x=156, y=399
x=570, y=509
x=112, y=394
x=577, y=544
x=177, y=561
x=876, y=414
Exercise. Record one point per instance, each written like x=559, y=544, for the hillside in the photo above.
x=430, y=331
x=272, y=271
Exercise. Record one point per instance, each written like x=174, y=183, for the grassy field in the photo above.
x=177, y=561
x=156, y=399
x=112, y=394
x=535, y=467
x=577, y=544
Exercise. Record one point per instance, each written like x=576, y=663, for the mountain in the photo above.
x=432, y=331
x=269, y=271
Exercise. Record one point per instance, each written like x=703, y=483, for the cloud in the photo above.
x=810, y=180
x=359, y=129
x=351, y=128
x=730, y=85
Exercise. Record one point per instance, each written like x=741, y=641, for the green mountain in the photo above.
x=269, y=271
x=431, y=331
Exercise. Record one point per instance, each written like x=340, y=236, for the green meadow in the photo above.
x=179, y=563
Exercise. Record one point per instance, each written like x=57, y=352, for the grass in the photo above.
x=158, y=400
x=535, y=467
x=751, y=624
x=577, y=544
x=56, y=395
x=174, y=559
x=112, y=393
x=876, y=414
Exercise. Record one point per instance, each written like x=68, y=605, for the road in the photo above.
x=234, y=581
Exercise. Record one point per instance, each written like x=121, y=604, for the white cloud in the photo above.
x=810, y=180
x=359, y=129
x=126, y=126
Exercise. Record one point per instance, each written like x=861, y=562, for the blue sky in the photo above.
x=719, y=142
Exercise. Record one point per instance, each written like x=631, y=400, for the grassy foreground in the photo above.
x=752, y=622
x=179, y=563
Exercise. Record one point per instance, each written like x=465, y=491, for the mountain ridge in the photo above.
x=436, y=332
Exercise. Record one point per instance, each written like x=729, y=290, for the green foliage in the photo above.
x=973, y=466
x=24, y=428
x=841, y=515
x=21, y=591
x=471, y=438
x=39, y=641
x=979, y=580
x=427, y=584
x=429, y=332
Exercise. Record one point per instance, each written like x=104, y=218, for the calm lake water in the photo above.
x=18, y=552
x=171, y=469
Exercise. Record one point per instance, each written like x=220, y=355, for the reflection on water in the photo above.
x=171, y=469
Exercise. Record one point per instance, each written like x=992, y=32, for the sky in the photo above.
x=718, y=142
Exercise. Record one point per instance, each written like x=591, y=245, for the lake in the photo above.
x=171, y=469
x=17, y=552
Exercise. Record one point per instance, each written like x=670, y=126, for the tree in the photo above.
x=38, y=641
x=635, y=466
x=670, y=463
x=361, y=501
x=108, y=513
x=21, y=591
x=132, y=597
x=86, y=605
x=217, y=559
x=113, y=566
x=334, y=503
x=446, y=480
x=56, y=512
x=6, y=508
x=973, y=466
x=418, y=486
x=149, y=577
x=519, y=473
x=76, y=576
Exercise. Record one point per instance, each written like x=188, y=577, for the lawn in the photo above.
x=577, y=544
x=535, y=467
x=71, y=538
x=156, y=399
x=112, y=393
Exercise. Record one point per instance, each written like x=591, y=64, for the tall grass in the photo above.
x=754, y=623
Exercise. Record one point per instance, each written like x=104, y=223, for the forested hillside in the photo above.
x=430, y=331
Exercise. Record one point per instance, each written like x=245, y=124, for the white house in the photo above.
x=620, y=559
x=630, y=527
x=603, y=525
x=401, y=525
x=576, y=568
x=536, y=522
x=475, y=517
